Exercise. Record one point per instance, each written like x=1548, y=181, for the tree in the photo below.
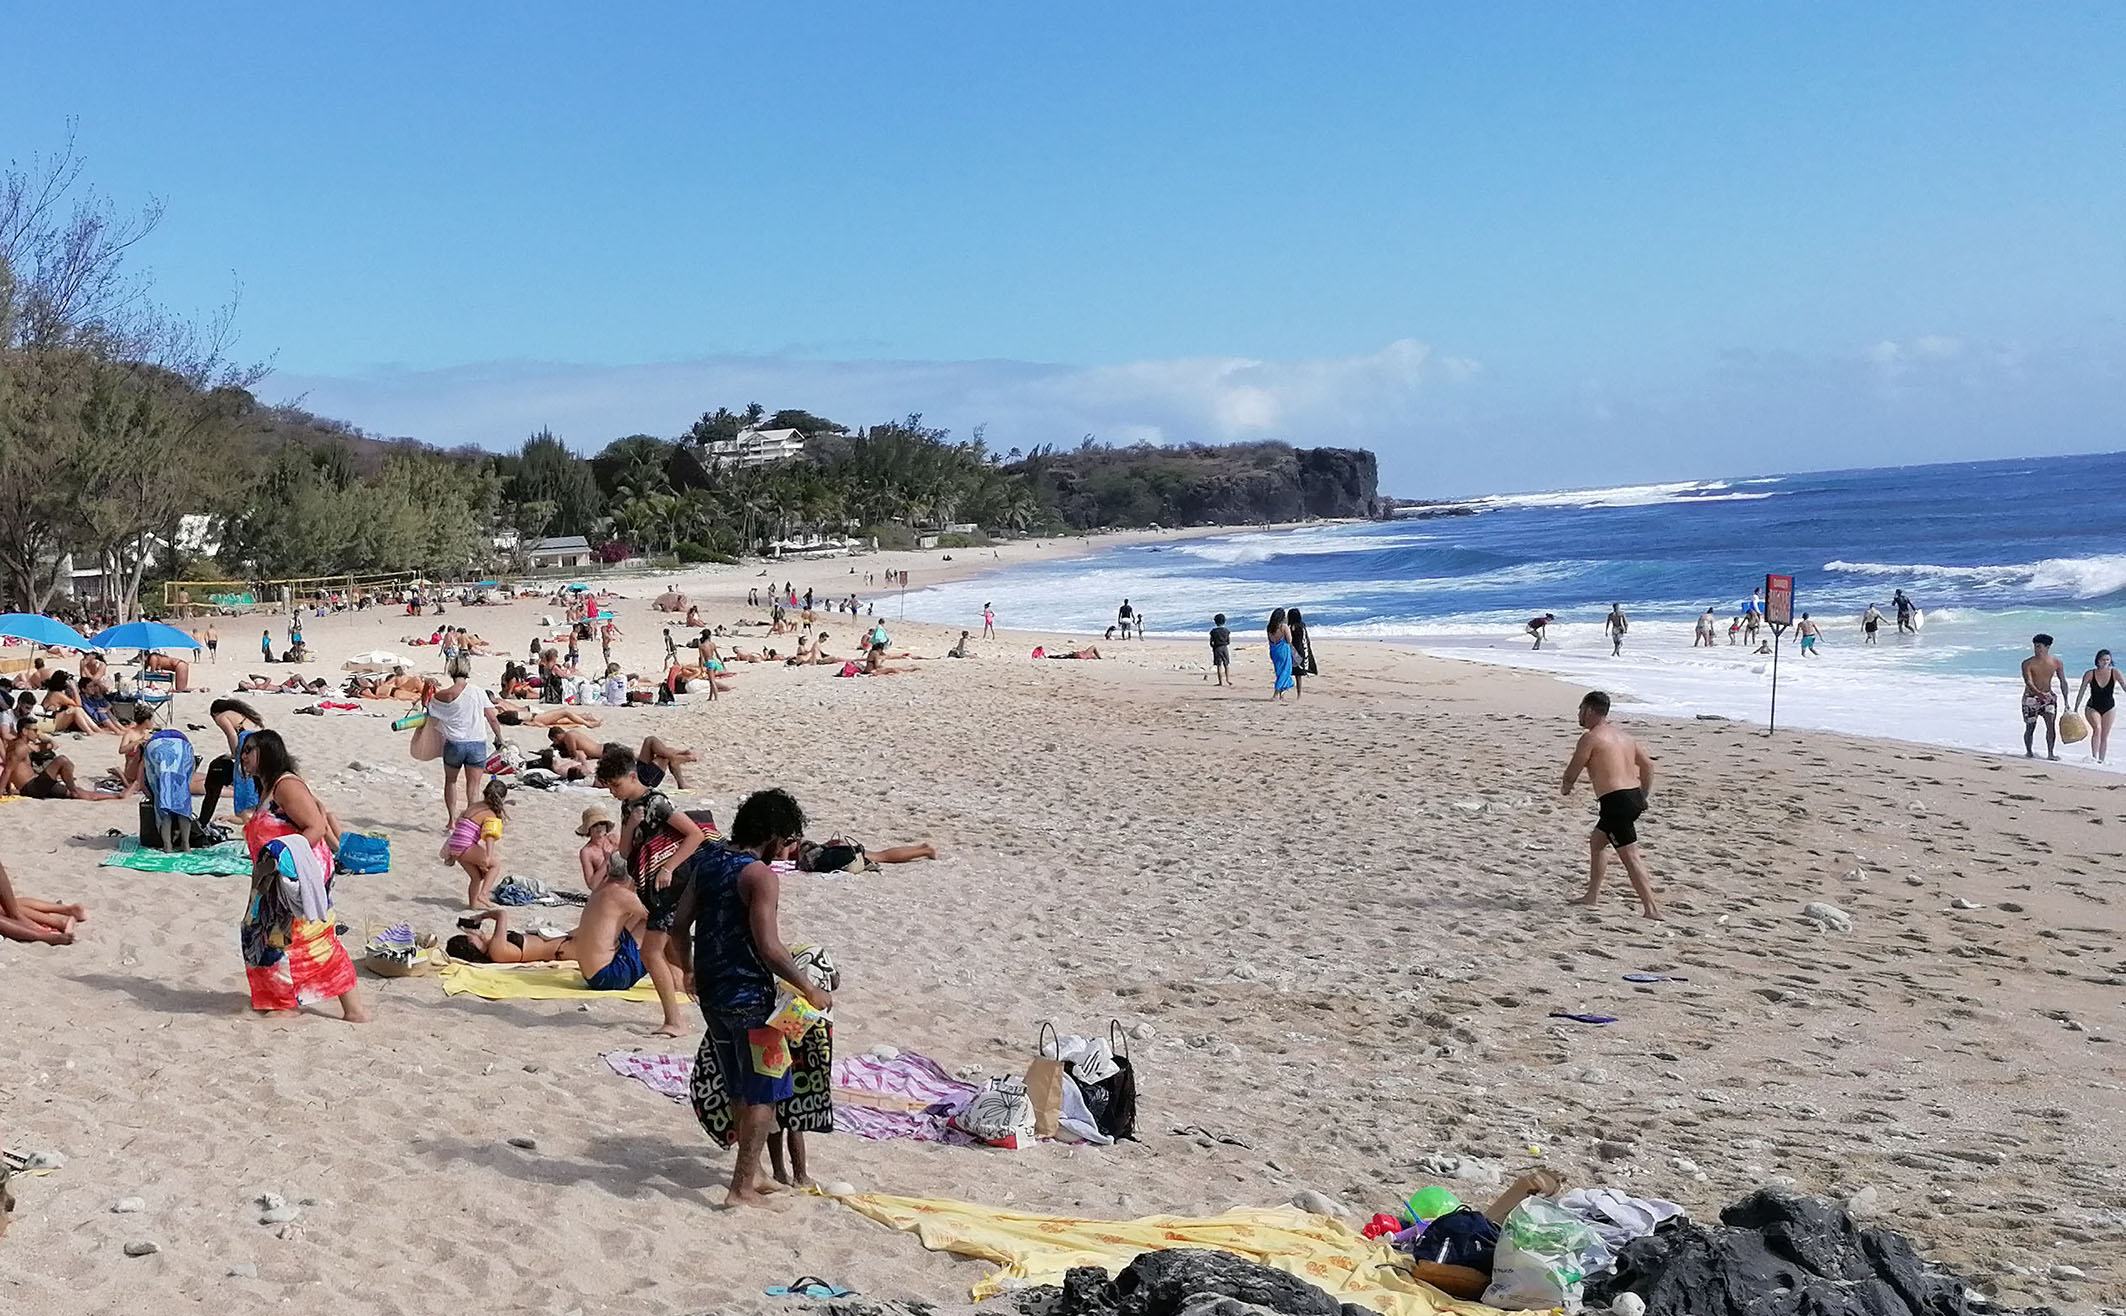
x=544, y=470
x=67, y=303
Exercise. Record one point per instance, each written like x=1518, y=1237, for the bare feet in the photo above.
x=1588, y=900
x=669, y=1030
x=754, y=1198
x=1653, y=914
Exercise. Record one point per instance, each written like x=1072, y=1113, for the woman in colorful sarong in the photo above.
x=292, y=955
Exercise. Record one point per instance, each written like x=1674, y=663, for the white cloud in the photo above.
x=1198, y=399
x=1443, y=425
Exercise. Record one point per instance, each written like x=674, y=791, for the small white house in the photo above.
x=561, y=551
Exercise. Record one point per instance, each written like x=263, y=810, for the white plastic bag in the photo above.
x=1544, y=1255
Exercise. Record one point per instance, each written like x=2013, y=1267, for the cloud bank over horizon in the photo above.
x=1443, y=424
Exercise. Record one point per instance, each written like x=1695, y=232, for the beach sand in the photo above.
x=1343, y=919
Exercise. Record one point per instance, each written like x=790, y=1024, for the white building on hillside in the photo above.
x=756, y=448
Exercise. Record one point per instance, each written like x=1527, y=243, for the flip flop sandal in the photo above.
x=808, y=1286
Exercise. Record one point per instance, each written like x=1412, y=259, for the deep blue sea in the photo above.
x=1992, y=552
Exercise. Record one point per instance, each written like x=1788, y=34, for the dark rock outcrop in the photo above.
x=1779, y=1254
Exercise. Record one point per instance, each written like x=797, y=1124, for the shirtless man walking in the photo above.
x=2041, y=671
x=1623, y=778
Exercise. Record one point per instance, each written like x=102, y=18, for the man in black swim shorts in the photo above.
x=1623, y=777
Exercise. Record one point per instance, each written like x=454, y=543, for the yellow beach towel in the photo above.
x=1037, y=1249
x=531, y=982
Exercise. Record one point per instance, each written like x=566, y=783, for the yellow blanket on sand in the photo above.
x=1037, y=1249
x=531, y=982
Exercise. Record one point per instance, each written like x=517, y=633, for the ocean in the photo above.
x=1992, y=552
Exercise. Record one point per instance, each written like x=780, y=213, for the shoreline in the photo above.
x=1928, y=694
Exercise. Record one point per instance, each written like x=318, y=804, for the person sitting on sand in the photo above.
x=964, y=649
x=25, y=918
x=63, y=707
x=515, y=714
x=600, y=849
x=1623, y=777
x=606, y=946
x=473, y=840
x=875, y=665
x=726, y=932
x=37, y=771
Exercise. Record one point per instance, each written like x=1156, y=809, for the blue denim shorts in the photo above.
x=464, y=753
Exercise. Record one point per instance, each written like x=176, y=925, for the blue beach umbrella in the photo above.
x=144, y=635
x=40, y=629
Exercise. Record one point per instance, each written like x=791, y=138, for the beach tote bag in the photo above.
x=1113, y=1100
x=1044, y=1082
x=427, y=744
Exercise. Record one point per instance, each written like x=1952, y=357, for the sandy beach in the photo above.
x=1343, y=919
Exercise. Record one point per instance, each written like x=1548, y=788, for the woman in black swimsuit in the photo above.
x=2100, y=686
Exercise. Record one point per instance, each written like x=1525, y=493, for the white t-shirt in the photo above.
x=463, y=718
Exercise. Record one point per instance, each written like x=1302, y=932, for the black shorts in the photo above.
x=1221, y=657
x=1619, y=817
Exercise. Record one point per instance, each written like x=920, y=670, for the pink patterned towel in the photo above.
x=930, y=1093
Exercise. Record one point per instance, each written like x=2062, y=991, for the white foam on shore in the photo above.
x=1884, y=692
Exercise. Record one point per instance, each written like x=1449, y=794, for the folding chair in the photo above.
x=158, y=690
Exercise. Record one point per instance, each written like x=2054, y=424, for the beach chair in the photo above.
x=158, y=690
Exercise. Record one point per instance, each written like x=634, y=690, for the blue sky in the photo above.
x=1506, y=246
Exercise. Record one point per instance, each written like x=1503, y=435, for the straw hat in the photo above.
x=591, y=818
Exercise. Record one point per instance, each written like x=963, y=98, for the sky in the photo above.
x=1505, y=246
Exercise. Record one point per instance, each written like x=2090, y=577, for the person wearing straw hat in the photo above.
x=601, y=848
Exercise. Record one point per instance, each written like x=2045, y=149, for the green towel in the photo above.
x=225, y=860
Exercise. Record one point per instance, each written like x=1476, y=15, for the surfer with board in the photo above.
x=1906, y=610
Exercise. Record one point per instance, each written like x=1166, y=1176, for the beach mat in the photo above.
x=532, y=982
x=227, y=859
x=909, y=1098
x=1038, y=1249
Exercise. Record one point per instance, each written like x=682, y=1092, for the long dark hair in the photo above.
x=274, y=761
x=1276, y=620
x=1297, y=623
x=238, y=706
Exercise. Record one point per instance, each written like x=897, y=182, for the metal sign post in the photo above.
x=1778, y=614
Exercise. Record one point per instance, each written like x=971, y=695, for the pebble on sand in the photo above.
x=525, y=1144
x=1316, y=1203
x=129, y=1205
x=142, y=1247
x=1827, y=916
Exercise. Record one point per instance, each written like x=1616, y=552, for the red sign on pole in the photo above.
x=1779, y=602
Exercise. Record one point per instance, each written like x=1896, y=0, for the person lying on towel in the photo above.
x=605, y=947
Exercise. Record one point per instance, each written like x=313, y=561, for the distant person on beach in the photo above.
x=1302, y=649
x=213, y=643
x=1809, y=632
x=2100, y=686
x=1705, y=631
x=1904, y=613
x=2041, y=671
x=989, y=619
x=727, y=934
x=1615, y=626
x=1869, y=621
x=1124, y=616
x=1734, y=630
x=1623, y=778
x=1221, y=650
x=660, y=842
x=1280, y=637
x=1537, y=626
